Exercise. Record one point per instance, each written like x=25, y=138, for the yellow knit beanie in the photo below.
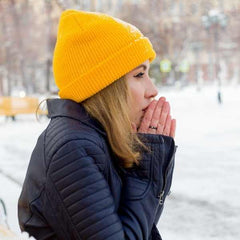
x=93, y=50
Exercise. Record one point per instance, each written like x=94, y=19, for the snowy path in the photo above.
x=16, y=142
x=205, y=199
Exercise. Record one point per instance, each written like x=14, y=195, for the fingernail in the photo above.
x=162, y=98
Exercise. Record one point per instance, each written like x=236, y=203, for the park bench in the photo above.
x=12, y=106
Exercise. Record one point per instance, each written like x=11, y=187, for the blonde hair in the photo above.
x=110, y=107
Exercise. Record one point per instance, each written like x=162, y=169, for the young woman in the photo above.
x=103, y=167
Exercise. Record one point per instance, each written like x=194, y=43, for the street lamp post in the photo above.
x=214, y=20
x=196, y=47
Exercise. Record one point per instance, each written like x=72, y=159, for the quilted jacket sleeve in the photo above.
x=81, y=201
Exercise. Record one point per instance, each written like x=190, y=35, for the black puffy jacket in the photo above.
x=75, y=189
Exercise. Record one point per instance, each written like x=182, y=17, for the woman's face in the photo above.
x=142, y=91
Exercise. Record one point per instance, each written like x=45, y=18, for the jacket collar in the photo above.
x=71, y=109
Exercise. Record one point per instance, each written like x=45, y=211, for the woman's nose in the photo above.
x=151, y=90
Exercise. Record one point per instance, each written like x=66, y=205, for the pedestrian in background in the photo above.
x=103, y=167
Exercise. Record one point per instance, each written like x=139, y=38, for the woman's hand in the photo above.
x=157, y=119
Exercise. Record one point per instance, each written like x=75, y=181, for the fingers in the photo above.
x=164, y=114
x=173, y=128
x=144, y=126
x=157, y=113
x=167, y=128
x=170, y=127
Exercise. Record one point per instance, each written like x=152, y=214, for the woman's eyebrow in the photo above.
x=142, y=65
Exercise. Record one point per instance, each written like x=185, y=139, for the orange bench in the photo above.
x=12, y=106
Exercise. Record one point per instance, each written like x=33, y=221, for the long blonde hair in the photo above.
x=110, y=107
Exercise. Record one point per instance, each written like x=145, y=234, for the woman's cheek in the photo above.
x=139, y=117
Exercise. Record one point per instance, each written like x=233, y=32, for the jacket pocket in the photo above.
x=134, y=188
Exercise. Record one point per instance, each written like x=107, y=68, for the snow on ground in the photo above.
x=205, y=199
x=16, y=143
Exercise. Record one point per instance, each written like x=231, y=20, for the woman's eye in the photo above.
x=139, y=75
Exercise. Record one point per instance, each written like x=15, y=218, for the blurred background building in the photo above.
x=197, y=41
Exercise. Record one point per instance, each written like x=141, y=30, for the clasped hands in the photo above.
x=157, y=119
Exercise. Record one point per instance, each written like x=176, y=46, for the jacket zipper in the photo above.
x=161, y=195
